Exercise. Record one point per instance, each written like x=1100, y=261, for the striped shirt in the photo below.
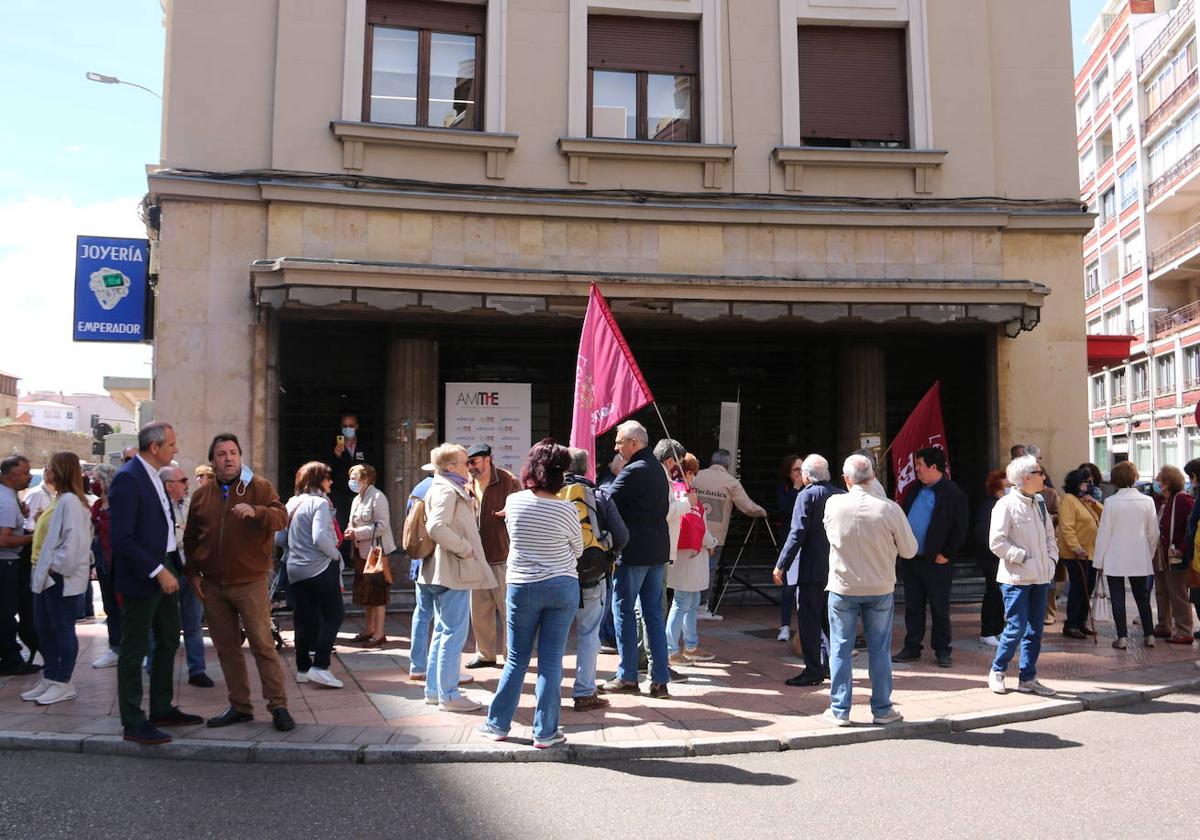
x=544, y=538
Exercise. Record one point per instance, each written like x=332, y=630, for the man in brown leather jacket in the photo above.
x=492, y=486
x=229, y=544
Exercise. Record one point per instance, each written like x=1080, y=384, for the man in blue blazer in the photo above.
x=146, y=572
x=805, y=561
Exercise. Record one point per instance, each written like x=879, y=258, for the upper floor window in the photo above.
x=643, y=78
x=1141, y=380
x=1083, y=109
x=1092, y=276
x=1122, y=60
x=423, y=60
x=1101, y=88
x=1108, y=205
x=1098, y=396
x=853, y=87
x=1118, y=386
x=1164, y=374
x=1129, y=185
x=1191, y=366
x=1126, y=124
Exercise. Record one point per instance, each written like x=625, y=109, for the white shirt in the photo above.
x=172, y=543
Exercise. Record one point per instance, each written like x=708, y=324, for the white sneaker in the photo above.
x=831, y=716
x=302, y=676
x=430, y=701
x=56, y=693
x=557, y=738
x=990, y=641
x=1148, y=641
x=785, y=633
x=38, y=690
x=459, y=704
x=892, y=716
x=996, y=682
x=705, y=614
x=108, y=659
x=1120, y=643
x=1034, y=687
x=320, y=676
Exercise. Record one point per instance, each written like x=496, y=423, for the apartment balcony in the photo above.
x=1176, y=189
x=1180, y=254
x=1181, y=18
x=1177, y=319
x=1170, y=106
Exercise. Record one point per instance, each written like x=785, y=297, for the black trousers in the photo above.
x=1141, y=596
x=1082, y=575
x=991, y=611
x=926, y=582
x=10, y=582
x=812, y=612
x=25, y=629
x=319, y=611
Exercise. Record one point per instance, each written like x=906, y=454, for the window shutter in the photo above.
x=418, y=14
x=655, y=45
x=853, y=83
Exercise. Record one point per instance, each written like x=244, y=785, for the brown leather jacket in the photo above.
x=492, y=530
x=225, y=548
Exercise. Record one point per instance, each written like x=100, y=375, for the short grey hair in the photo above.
x=858, y=469
x=868, y=454
x=669, y=448
x=167, y=473
x=151, y=433
x=1033, y=449
x=634, y=430
x=1020, y=469
x=579, y=461
x=815, y=468
x=721, y=458
x=103, y=474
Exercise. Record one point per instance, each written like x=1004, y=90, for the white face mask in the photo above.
x=348, y=431
x=247, y=474
x=354, y=485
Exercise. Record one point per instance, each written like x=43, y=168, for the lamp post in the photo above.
x=113, y=80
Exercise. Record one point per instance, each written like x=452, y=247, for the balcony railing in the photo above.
x=1175, y=247
x=1180, y=18
x=1174, y=175
x=1186, y=88
x=1177, y=319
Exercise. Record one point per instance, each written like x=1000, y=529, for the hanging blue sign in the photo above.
x=110, y=288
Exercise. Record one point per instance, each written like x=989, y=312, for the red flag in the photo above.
x=608, y=384
x=923, y=428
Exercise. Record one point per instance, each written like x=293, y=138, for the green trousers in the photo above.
x=139, y=616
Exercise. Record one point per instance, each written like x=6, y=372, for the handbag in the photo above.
x=1101, y=602
x=376, y=563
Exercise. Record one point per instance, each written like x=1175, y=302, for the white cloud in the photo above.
x=37, y=271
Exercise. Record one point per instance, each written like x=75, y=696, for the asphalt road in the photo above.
x=1123, y=773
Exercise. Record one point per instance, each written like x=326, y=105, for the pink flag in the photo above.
x=608, y=384
x=922, y=429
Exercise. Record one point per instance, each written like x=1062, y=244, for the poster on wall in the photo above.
x=496, y=413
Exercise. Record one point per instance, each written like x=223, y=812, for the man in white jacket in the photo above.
x=866, y=534
x=721, y=493
x=1022, y=536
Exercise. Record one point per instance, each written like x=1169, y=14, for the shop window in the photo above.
x=853, y=87
x=1168, y=448
x=423, y=61
x=1100, y=453
x=1143, y=454
x=643, y=78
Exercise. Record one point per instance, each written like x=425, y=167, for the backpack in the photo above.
x=597, y=559
x=417, y=543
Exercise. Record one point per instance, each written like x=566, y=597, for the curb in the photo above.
x=274, y=752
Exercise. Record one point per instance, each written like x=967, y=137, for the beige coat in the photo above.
x=370, y=517
x=720, y=492
x=866, y=535
x=458, y=561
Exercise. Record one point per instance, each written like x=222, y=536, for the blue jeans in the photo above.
x=418, y=654
x=587, y=639
x=1024, y=609
x=451, y=620
x=608, y=626
x=54, y=616
x=683, y=618
x=542, y=610
x=642, y=585
x=877, y=612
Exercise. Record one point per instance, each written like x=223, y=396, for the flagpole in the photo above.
x=667, y=432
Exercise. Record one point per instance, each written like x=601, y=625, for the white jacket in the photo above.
x=67, y=549
x=720, y=492
x=1024, y=540
x=689, y=572
x=370, y=517
x=866, y=535
x=1127, y=536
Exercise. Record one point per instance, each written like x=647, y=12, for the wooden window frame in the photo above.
x=425, y=33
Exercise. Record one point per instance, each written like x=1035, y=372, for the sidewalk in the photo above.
x=738, y=703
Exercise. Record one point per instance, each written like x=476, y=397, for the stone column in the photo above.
x=862, y=400
x=411, y=400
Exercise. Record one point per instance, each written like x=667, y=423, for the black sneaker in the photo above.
x=907, y=655
x=479, y=662
x=805, y=679
x=146, y=733
x=660, y=691
x=229, y=717
x=282, y=720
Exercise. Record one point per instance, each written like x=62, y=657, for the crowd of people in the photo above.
x=515, y=561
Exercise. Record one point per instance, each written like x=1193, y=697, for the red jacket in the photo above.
x=1180, y=508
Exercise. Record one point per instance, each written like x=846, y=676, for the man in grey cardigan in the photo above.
x=866, y=534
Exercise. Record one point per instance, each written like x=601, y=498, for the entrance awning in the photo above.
x=1106, y=350
x=424, y=290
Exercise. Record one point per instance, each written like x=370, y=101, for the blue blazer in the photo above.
x=642, y=497
x=807, y=543
x=138, y=531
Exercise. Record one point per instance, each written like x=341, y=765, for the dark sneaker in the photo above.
x=592, y=701
x=478, y=662
x=146, y=733
x=18, y=669
x=175, y=717
x=907, y=655
x=660, y=691
x=282, y=720
x=804, y=679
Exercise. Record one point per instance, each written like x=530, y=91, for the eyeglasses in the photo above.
x=1037, y=472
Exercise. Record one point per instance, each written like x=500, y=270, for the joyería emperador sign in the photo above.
x=110, y=289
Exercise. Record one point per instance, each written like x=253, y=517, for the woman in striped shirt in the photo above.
x=545, y=542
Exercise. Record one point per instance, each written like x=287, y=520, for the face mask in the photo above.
x=354, y=485
x=1157, y=487
x=348, y=431
x=247, y=474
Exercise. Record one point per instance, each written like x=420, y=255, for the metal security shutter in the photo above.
x=853, y=84
x=418, y=14
x=653, y=45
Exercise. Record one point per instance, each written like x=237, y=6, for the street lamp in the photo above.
x=113, y=80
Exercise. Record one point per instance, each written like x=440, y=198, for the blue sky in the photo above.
x=1083, y=15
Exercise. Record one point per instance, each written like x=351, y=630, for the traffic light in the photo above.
x=98, y=448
